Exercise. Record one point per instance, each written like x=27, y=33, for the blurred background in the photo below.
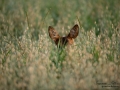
x=30, y=60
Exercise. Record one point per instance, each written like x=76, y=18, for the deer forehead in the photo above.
x=70, y=40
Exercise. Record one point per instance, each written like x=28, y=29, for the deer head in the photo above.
x=63, y=41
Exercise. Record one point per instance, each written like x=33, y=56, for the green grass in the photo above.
x=29, y=59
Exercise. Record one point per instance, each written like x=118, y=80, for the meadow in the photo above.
x=29, y=59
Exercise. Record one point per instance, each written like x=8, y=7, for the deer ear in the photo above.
x=74, y=32
x=53, y=34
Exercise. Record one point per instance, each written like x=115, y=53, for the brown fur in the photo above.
x=62, y=41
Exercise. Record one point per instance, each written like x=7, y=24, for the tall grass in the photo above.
x=30, y=60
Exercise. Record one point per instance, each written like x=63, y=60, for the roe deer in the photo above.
x=62, y=41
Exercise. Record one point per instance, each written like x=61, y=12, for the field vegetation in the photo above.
x=29, y=59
